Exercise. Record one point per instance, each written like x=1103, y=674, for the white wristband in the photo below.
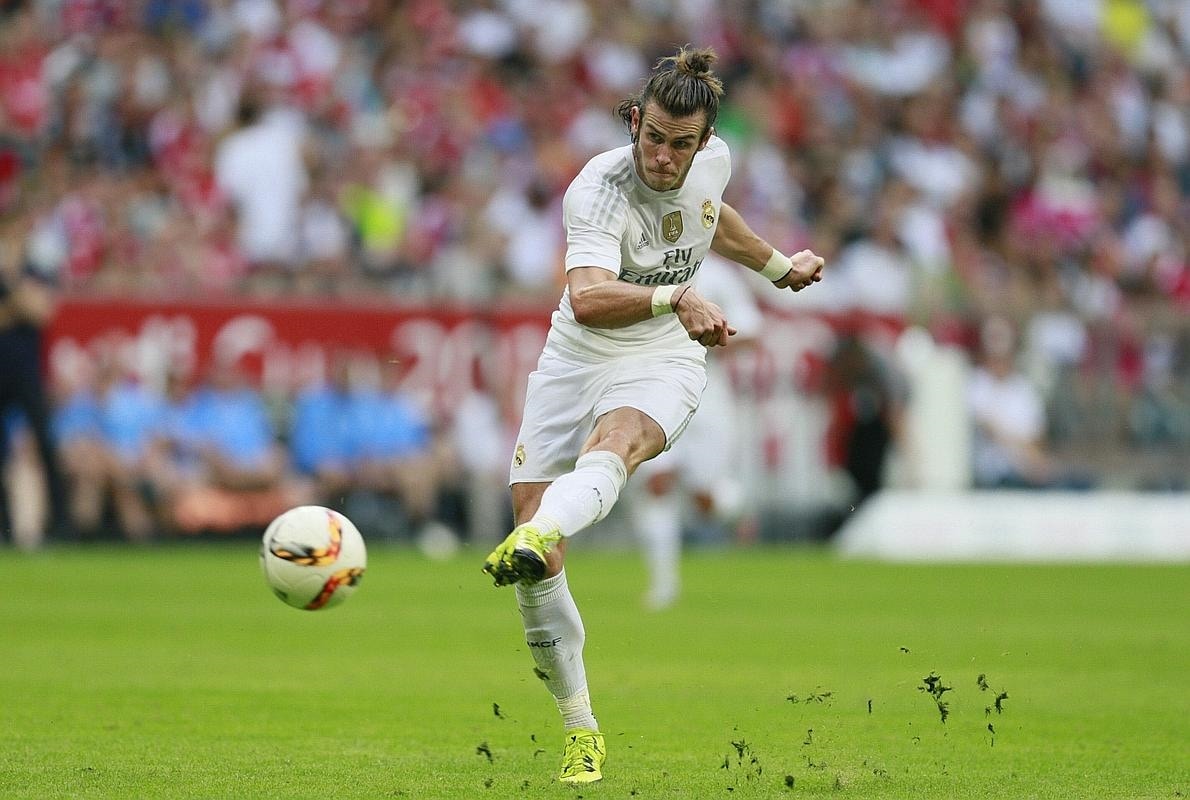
x=777, y=267
x=663, y=299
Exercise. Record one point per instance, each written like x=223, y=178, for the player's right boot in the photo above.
x=583, y=757
x=521, y=556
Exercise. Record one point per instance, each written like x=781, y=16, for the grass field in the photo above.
x=173, y=672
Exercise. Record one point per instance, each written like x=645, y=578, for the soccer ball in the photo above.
x=312, y=557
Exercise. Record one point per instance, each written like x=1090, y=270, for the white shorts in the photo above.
x=567, y=394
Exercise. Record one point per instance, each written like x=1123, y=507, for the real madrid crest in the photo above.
x=671, y=226
x=518, y=458
x=708, y=214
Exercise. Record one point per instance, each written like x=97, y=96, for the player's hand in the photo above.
x=804, y=268
x=703, y=320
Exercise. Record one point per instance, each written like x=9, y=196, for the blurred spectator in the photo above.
x=322, y=434
x=261, y=168
x=27, y=297
x=78, y=431
x=399, y=453
x=175, y=462
x=527, y=222
x=481, y=437
x=325, y=243
x=1010, y=448
x=369, y=448
x=867, y=398
x=230, y=471
x=107, y=433
x=693, y=490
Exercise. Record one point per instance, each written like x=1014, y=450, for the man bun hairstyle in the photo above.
x=682, y=84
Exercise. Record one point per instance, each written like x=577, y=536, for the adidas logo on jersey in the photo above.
x=643, y=243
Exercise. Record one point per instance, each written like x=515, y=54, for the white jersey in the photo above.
x=615, y=222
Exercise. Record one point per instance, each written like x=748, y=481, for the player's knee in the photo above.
x=633, y=448
x=643, y=451
x=526, y=499
x=613, y=440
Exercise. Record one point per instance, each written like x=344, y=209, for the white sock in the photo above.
x=659, y=526
x=555, y=636
x=576, y=711
x=584, y=496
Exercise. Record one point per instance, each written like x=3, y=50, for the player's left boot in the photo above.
x=521, y=556
x=583, y=757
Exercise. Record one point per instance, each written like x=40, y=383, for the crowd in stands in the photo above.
x=954, y=160
x=211, y=456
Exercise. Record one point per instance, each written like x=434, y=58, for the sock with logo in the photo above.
x=585, y=495
x=555, y=636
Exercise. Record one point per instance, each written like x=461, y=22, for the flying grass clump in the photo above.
x=817, y=696
x=745, y=760
x=933, y=686
x=997, y=703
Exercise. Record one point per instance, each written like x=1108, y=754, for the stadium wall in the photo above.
x=1019, y=526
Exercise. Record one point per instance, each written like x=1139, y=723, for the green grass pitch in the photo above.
x=173, y=672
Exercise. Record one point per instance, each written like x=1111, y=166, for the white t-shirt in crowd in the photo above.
x=1010, y=405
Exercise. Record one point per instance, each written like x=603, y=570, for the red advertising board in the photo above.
x=442, y=352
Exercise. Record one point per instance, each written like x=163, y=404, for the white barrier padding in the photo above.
x=1020, y=526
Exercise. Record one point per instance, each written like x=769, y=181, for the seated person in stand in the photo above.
x=106, y=432
x=237, y=474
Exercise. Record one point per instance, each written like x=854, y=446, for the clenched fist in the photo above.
x=804, y=268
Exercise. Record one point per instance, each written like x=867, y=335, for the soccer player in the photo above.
x=624, y=363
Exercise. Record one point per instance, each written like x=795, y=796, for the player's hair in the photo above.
x=682, y=85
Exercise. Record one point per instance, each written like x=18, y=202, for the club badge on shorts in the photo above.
x=708, y=214
x=518, y=458
x=671, y=226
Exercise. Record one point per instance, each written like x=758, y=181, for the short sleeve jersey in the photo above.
x=615, y=222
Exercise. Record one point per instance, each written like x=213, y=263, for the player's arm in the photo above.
x=601, y=301
x=735, y=240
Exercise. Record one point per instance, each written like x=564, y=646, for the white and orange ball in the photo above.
x=313, y=557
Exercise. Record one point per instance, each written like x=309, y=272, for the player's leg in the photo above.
x=554, y=497
x=37, y=410
x=709, y=462
x=555, y=637
x=554, y=633
x=621, y=440
x=656, y=514
x=641, y=407
x=558, y=415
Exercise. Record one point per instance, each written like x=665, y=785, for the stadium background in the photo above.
x=1018, y=161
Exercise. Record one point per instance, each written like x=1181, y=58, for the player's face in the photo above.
x=665, y=145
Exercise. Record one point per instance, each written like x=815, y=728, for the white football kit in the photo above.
x=615, y=222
